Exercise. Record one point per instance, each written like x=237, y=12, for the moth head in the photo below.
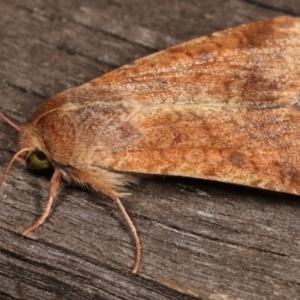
x=36, y=157
x=30, y=151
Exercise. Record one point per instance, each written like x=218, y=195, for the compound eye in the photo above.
x=38, y=160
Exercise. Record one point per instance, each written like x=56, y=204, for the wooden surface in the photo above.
x=200, y=239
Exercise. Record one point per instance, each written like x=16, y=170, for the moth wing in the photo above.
x=222, y=107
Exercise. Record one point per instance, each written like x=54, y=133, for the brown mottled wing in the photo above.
x=222, y=107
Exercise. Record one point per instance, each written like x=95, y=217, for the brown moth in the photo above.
x=222, y=107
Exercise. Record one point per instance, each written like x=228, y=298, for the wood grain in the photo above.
x=201, y=239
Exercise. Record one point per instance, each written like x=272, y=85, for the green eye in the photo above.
x=38, y=160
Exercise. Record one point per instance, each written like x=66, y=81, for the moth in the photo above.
x=222, y=107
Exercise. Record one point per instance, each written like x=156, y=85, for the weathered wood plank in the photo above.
x=200, y=239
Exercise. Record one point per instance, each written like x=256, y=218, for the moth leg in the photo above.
x=134, y=232
x=54, y=184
